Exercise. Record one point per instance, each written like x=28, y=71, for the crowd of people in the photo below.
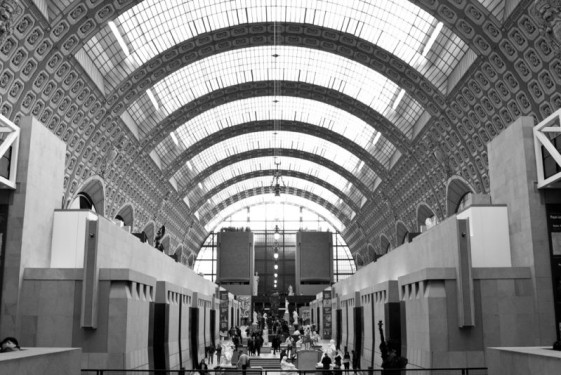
x=232, y=353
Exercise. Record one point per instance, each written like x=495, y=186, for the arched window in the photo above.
x=91, y=196
x=385, y=244
x=83, y=202
x=465, y=202
x=426, y=218
x=126, y=215
x=458, y=195
x=401, y=233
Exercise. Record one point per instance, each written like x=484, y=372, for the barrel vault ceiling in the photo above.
x=183, y=110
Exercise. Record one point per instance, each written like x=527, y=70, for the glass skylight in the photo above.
x=294, y=64
x=397, y=26
x=265, y=182
x=283, y=140
x=287, y=108
x=287, y=163
x=210, y=224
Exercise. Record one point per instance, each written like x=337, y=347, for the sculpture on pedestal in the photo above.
x=255, y=283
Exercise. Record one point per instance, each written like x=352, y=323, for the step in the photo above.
x=266, y=363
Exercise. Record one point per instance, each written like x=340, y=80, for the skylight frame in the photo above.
x=266, y=139
x=294, y=64
x=287, y=163
x=398, y=26
x=323, y=212
x=288, y=108
x=265, y=181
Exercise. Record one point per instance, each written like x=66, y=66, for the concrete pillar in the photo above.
x=39, y=189
x=513, y=177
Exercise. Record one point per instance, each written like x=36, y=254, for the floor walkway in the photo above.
x=269, y=355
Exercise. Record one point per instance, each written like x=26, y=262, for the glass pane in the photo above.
x=288, y=163
x=266, y=140
x=397, y=26
x=287, y=108
x=259, y=182
x=326, y=215
x=294, y=64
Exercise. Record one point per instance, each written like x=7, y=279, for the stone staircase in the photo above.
x=265, y=363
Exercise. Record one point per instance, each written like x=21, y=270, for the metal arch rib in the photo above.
x=270, y=172
x=266, y=190
x=363, y=188
x=265, y=88
x=292, y=126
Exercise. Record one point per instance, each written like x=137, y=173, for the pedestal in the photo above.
x=307, y=359
x=265, y=337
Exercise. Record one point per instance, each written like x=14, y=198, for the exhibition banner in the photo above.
x=245, y=306
x=224, y=312
x=327, y=318
x=305, y=315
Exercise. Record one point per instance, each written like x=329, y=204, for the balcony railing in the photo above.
x=259, y=371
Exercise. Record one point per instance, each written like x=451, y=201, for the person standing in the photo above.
x=218, y=353
x=243, y=361
x=258, y=344
x=326, y=363
x=337, y=361
x=251, y=345
x=289, y=343
x=211, y=350
x=236, y=341
x=346, y=359
x=356, y=361
x=203, y=368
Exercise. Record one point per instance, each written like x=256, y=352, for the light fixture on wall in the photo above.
x=276, y=266
x=277, y=233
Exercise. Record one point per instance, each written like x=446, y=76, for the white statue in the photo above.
x=227, y=352
x=255, y=320
x=290, y=291
x=255, y=283
x=295, y=317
